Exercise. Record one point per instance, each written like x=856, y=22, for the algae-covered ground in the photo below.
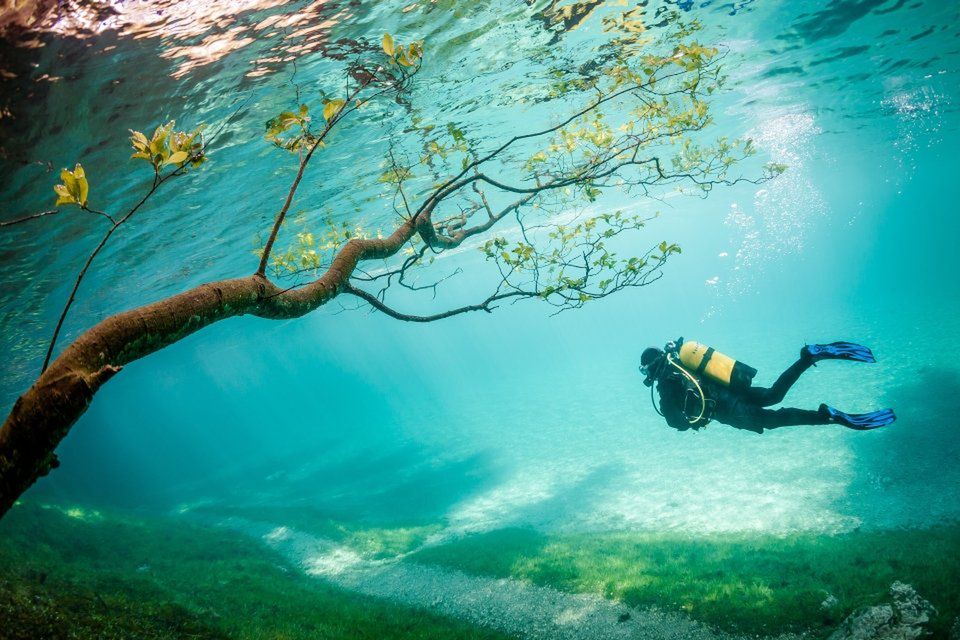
x=77, y=573
x=80, y=573
x=757, y=584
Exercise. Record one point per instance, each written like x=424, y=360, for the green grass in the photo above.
x=759, y=584
x=75, y=573
x=373, y=542
x=79, y=574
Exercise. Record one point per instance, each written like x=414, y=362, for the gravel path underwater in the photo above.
x=510, y=606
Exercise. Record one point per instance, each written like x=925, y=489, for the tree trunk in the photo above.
x=43, y=415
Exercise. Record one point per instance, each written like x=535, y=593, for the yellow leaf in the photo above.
x=178, y=157
x=69, y=181
x=332, y=108
x=159, y=140
x=64, y=195
x=84, y=188
x=388, y=44
x=163, y=131
x=138, y=140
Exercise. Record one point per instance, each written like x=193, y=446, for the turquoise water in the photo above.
x=519, y=418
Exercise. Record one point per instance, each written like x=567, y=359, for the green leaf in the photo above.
x=455, y=132
x=416, y=49
x=74, y=188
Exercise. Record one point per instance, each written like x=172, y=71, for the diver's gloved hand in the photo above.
x=858, y=421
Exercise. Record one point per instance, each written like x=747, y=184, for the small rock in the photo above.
x=143, y=568
x=955, y=630
x=623, y=617
x=902, y=620
x=866, y=624
x=914, y=611
x=829, y=602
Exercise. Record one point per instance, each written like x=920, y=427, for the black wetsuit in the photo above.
x=680, y=402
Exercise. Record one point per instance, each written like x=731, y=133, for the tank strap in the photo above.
x=705, y=360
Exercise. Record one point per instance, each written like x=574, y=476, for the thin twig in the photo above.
x=10, y=223
x=345, y=108
x=486, y=305
x=157, y=181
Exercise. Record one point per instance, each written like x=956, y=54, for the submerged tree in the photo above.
x=635, y=132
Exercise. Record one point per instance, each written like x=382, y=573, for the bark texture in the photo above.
x=43, y=415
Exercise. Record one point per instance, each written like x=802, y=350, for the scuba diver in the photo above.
x=697, y=384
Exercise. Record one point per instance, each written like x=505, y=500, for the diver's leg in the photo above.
x=751, y=417
x=764, y=397
x=790, y=417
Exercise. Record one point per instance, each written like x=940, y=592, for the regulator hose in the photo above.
x=703, y=398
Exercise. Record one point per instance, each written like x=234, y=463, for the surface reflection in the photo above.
x=194, y=32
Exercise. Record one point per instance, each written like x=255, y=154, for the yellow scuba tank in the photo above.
x=704, y=360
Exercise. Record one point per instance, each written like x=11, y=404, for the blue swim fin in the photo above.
x=838, y=351
x=859, y=421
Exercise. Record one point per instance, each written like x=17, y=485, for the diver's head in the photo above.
x=651, y=364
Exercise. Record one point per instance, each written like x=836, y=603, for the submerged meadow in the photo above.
x=353, y=472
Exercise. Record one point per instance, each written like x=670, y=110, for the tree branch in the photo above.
x=53, y=212
x=157, y=181
x=345, y=109
x=43, y=415
x=486, y=305
x=278, y=220
x=457, y=181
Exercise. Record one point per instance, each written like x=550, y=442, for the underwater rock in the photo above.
x=866, y=624
x=914, y=610
x=904, y=619
x=955, y=630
